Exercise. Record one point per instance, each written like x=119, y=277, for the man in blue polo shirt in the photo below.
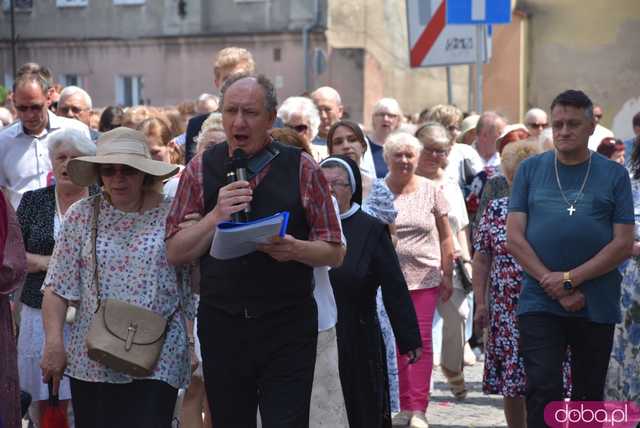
x=570, y=225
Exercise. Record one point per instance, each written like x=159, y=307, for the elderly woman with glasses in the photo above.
x=455, y=312
x=110, y=249
x=301, y=115
x=370, y=263
x=425, y=251
x=40, y=215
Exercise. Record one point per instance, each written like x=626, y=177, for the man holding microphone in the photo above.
x=257, y=316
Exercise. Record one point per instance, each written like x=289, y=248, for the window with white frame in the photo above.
x=71, y=80
x=8, y=80
x=72, y=3
x=128, y=2
x=18, y=5
x=129, y=90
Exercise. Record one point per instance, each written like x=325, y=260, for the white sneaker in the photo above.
x=418, y=420
x=400, y=419
x=436, y=359
x=469, y=357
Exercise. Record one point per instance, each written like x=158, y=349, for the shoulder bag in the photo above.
x=122, y=336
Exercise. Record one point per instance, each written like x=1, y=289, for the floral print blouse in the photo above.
x=132, y=267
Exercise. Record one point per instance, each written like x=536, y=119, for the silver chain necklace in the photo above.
x=572, y=208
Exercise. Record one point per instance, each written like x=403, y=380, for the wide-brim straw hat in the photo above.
x=122, y=146
x=469, y=123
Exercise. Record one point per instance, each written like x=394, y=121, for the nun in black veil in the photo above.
x=370, y=262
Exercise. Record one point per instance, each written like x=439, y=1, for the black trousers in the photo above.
x=543, y=343
x=266, y=361
x=139, y=404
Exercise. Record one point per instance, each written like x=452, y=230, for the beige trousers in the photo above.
x=454, y=313
x=327, y=401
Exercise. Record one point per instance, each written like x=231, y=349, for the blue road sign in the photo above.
x=465, y=12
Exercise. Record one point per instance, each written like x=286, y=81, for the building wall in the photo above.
x=503, y=88
x=379, y=27
x=589, y=45
x=173, y=69
x=102, y=19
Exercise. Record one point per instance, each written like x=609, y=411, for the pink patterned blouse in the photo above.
x=418, y=239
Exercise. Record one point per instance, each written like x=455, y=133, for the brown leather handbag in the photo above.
x=124, y=337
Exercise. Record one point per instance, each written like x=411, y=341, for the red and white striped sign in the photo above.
x=434, y=43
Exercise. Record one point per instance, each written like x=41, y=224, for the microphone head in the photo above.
x=239, y=159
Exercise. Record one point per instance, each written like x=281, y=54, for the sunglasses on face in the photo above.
x=537, y=125
x=300, y=129
x=110, y=170
x=33, y=107
x=73, y=109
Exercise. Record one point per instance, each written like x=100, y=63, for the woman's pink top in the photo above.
x=418, y=238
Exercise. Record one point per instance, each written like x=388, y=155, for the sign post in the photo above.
x=434, y=43
x=478, y=13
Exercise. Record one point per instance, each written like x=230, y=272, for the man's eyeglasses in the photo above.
x=537, y=125
x=110, y=170
x=33, y=107
x=300, y=129
x=73, y=109
x=384, y=113
x=437, y=152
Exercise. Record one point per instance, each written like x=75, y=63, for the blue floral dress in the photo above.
x=503, y=367
x=623, y=377
x=504, y=372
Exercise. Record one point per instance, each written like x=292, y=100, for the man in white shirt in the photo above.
x=24, y=152
x=76, y=103
x=600, y=132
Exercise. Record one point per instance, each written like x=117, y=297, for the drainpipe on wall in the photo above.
x=14, y=65
x=305, y=42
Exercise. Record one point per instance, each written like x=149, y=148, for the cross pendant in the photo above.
x=571, y=210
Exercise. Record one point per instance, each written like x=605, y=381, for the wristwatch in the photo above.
x=567, y=284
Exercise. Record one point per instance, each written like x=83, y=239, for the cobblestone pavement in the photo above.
x=477, y=410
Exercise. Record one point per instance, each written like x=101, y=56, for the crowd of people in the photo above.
x=407, y=244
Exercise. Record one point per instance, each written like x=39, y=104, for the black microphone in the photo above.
x=238, y=172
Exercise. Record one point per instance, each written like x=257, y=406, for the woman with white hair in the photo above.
x=425, y=252
x=40, y=215
x=301, y=115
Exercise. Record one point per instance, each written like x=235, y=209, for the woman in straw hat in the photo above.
x=131, y=267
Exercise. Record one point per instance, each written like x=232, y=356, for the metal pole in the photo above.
x=449, y=86
x=469, y=88
x=305, y=53
x=479, y=46
x=13, y=39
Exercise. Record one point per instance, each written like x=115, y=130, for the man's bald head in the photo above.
x=329, y=106
x=536, y=121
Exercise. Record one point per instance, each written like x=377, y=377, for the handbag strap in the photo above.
x=94, y=256
x=94, y=234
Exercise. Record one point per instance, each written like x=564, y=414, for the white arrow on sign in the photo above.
x=478, y=10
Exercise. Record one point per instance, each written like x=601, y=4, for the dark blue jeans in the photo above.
x=544, y=338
